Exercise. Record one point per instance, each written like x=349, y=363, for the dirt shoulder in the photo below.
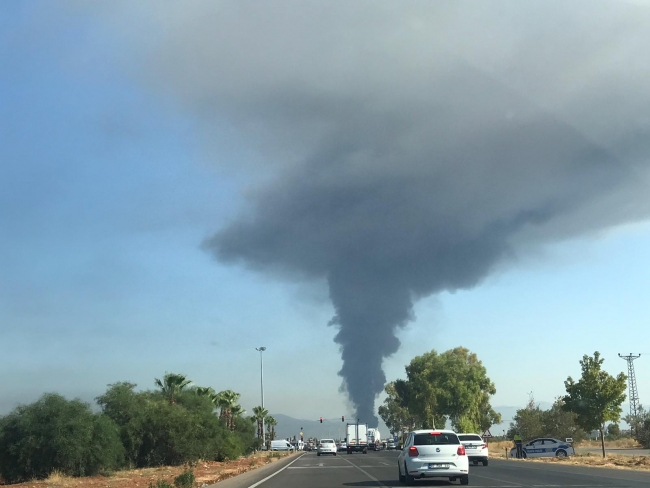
x=638, y=463
x=206, y=473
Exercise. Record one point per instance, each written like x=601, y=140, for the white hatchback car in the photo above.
x=326, y=446
x=433, y=454
x=476, y=448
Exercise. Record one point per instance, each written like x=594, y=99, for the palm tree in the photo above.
x=270, y=427
x=172, y=384
x=204, y=391
x=259, y=413
x=226, y=401
x=235, y=412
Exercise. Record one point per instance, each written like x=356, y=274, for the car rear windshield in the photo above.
x=437, y=439
x=327, y=441
x=470, y=438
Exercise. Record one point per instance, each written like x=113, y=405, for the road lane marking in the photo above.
x=366, y=473
x=511, y=483
x=273, y=474
x=320, y=467
x=385, y=464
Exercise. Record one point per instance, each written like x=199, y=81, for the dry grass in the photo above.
x=57, y=478
x=611, y=461
x=617, y=444
x=498, y=449
x=205, y=473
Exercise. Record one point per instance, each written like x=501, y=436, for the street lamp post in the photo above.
x=261, y=350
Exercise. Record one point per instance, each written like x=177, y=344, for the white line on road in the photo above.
x=385, y=464
x=319, y=467
x=277, y=472
x=512, y=483
x=366, y=473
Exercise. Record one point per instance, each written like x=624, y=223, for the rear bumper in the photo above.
x=438, y=473
x=420, y=469
x=357, y=448
x=477, y=458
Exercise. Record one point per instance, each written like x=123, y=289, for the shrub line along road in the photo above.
x=380, y=469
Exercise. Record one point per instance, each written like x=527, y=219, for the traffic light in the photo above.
x=342, y=418
x=321, y=420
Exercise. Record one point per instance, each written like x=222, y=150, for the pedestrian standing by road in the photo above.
x=519, y=446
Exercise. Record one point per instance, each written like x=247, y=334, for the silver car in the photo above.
x=326, y=446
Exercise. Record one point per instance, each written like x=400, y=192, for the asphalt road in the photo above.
x=380, y=469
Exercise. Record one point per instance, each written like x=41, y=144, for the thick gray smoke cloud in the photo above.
x=409, y=148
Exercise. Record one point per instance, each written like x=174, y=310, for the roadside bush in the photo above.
x=57, y=434
x=643, y=432
x=641, y=427
x=160, y=484
x=128, y=410
x=185, y=479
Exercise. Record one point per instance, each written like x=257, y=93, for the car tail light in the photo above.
x=484, y=446
x=434, y=433
x=413, y=451
x=461, y=451
x=320, y=445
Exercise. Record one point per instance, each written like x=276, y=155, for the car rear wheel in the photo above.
x=485, y=462
x=335, y=454
x=464, y=480
x=318, y=454
x=410, y=480
x=561, y=453
x=402, y=478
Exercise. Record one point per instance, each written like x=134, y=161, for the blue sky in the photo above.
x=107, y=192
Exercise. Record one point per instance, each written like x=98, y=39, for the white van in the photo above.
x=281, y=445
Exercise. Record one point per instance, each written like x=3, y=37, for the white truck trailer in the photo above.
x=357, y=438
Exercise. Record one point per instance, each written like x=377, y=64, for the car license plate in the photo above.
x=438, y=466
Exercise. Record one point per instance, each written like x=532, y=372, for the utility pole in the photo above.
x=631, y=381
x=261, y=350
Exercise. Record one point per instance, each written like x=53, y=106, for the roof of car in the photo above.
x=428, y=431
x=468, y=433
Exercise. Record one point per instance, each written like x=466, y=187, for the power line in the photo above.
x=631, y=381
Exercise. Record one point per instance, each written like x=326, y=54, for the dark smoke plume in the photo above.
x=411, y=147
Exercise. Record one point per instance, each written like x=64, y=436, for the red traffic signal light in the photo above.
x=342, y=418
x=321, y=420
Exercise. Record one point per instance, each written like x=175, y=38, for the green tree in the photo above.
x=528, y=422
x=395, y=415
x=171, y=385
x=271, y=424
x=259, y=413
x=597, y=397
x=204, y=391
x=613, y=432
x=640, y=425
x=453, y=384
x=559, y=423
x=57, y=434
x=127, y=409
x=227, y=402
